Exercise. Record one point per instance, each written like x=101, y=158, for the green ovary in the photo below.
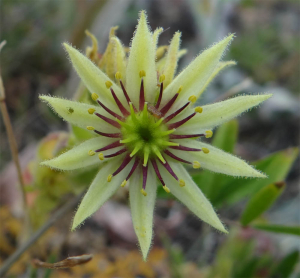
x=144, y=135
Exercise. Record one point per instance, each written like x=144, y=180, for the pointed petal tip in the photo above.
x=142, y=15
x=67, y=47
x=43, y=97
x=267, y=96
x=145, y=255
x=259, y=174
x=74, y=226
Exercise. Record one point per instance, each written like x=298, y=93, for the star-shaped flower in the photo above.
x=148, y=128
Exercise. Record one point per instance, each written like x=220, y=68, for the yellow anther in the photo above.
x=208, y=133
x=90, y=128
x=101, y=156
x=179, y=90
x=205, y=150
x=91, y=153
x=198, y=109
x=167, y=189
x=162, y=78
x=109, y=178
x=181, y=183
x=123, y=183
x=108, y=84
x=118, y=75
x=196, y=164
x=91, y=110
x=192, y=99
x=95, y=96
x=144, y=192
x=142, y=73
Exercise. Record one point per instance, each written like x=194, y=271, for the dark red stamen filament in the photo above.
x=174, y=136
x=110, y=146
x=182, y=148
x=116, y=153
x=166, y=108
x=157, y=172
x=142, y=95
x=123, y=165
x=110, y=111
x=180, y=123
x=170, y=117
x=176, y=157
x=160, y=95
x=120, y=105
x=126, y=95
x=111, y=135
x=145, y=172
x=136, y=163
x=108, y=120
x=169, y=169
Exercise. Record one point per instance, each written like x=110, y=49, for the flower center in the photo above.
x=145, y=133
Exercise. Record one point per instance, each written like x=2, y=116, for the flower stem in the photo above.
x=13, y=147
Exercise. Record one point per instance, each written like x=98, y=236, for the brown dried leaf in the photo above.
x=67, y=263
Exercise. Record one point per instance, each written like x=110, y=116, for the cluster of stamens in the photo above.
x=145, y=134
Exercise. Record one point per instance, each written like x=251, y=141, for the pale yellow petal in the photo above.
x=221, y=112
x=195, y=76
x=217, y=160
x=141, y=58
x=120, y=59
x=77, y=113
x=190, y=195
x=93, y=78
x=218, y=69
x=78, y=157
x=171, y=59
x=156, y=34
x=100, y=190
x=142, y=208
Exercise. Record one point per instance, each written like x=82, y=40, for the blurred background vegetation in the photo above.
x=263, y=239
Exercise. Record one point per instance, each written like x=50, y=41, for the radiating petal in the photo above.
x=141, y=57
x=107, y=61
x=100, y=191
x=217, y=160
x=221, y=112
x=142, y=208
x=120, y=65
x=161, y=63
x=156, y=34
x=220, y=67
x=171, y=59
x=78, y=156
x=195, y=76
x=191, y=195
x=79, y=115
x=93, y=78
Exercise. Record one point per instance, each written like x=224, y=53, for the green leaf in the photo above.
x=276, y=166
x=291, y=230
x=286, y=266
x=247, y=269
x=261, y=201
x=225, y=138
